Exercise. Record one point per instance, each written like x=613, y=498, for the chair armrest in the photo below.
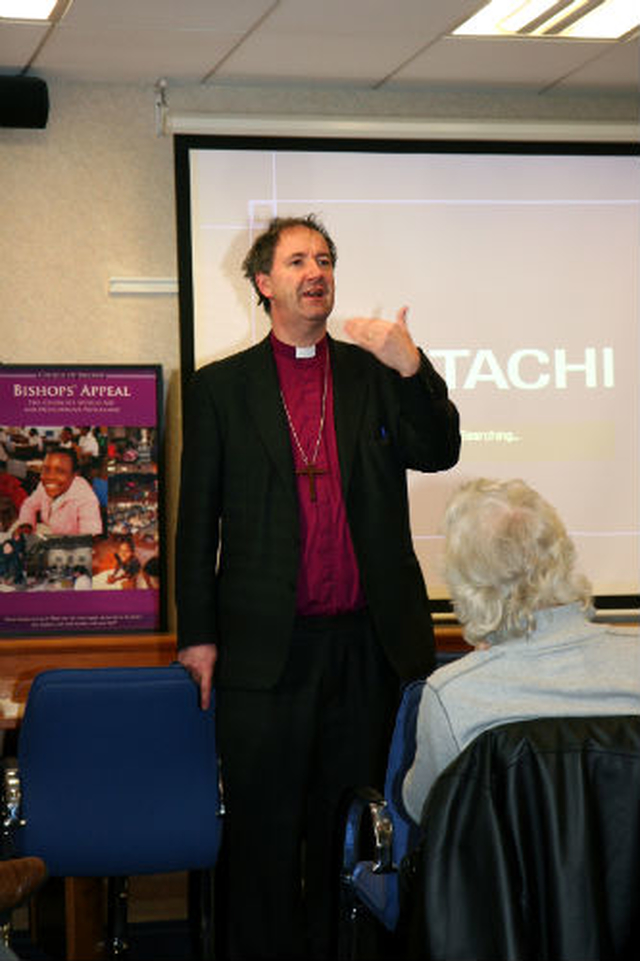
x=368, y=830
x=10, y=803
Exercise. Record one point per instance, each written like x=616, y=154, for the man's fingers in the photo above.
x=205, y=693
x=200, y=661
x=355, y=326
x=365, y=330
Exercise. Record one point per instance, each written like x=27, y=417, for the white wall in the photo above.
x=92, y=197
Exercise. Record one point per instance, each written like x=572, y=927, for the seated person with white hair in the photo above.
x=510, y=567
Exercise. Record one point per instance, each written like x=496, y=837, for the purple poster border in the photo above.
x=81, y=519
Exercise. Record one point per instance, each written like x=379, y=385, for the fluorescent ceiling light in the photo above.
x=552, y=23
x=581, y=19
x=33, y=9
x=610, y=20
x=524, y=13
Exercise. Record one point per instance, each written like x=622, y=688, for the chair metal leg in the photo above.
x=5, y=931
x=347, y=922
x=361, y=937
x=117, y=944
x=200, y=895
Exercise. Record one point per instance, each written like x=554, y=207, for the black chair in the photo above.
x=531, y=847
x=117, y=775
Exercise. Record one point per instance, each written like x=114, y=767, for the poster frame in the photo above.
x=49, y=602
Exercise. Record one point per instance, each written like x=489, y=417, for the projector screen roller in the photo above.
x=520, y=272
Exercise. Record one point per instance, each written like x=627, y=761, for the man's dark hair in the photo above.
x=259, y=260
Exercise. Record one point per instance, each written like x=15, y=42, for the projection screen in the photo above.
x=519, y=265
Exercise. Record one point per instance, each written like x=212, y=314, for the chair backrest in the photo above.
x=118, y=772
x=531, y=847
x=401, y=753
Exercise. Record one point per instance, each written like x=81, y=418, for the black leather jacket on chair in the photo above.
x=531, y=847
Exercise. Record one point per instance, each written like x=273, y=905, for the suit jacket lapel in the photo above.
x=265, y=407
x=349, y=395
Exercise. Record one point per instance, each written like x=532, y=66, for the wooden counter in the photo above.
x=21, y=658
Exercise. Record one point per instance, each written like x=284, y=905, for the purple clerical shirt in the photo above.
x=328, y=577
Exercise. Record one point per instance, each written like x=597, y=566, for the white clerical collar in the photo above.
x=302, y=353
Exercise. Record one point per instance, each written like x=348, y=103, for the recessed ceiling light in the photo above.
x=33, y=9
x=569, y=19
x=610, y=20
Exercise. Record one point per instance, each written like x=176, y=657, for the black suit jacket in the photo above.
x=238, y=536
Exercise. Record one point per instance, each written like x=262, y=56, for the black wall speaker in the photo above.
x=24, y=102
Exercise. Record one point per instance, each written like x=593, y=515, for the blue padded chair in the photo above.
x=118, y=776
x=370, y=885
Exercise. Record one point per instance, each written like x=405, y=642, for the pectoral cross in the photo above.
x=312, y=472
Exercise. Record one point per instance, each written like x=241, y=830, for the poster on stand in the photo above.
x=81, y=532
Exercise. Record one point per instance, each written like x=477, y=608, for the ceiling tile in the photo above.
x=131, y=54
x=414, y=20
x=617, y=68
x=360, y=40
x=226, y=16
x=500, y=61
x=296, y=57
x=18, y=41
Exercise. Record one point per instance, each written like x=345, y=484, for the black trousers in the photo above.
x=288, y=755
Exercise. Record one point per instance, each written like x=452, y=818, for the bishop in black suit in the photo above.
x=299, y=593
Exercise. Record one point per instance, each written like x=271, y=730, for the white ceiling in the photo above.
x=367, y=44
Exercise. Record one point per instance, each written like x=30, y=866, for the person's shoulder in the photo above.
x=355, y=357
x=80, y=485
x=626, y=637
x=230, y=366
x=345, y=348
x=460, y=669
x=37, y=493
